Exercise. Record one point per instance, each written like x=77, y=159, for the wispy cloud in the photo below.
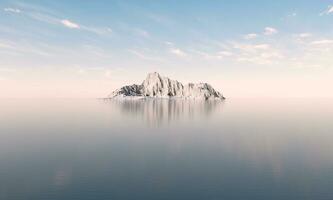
x=137, y=53
x=29, y=7
x=322, y=42
x=267, y=31
x=251, y=47
x=250, y=36
x=261, y=58
x=302, y=37
x=214, y=55
x=13, y=10
x=109, y=29
x=328, y=11
x=45, y=18
x=46, y=15
x=178, y=52
x=22, y=48
x=261, y=54
x=70, y=24
x=98, y=30
x=174, y=50
x=143, y=56
x=270, y=31
x=142, y=32
x=315, y=54
x=294, y=14
x=305, y=35
x=168, y=43
x=96, y=51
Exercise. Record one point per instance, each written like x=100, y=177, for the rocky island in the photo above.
x=157, y=86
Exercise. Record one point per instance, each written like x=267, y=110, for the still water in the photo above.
x=240, y=149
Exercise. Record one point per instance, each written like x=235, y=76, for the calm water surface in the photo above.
x=240, y=149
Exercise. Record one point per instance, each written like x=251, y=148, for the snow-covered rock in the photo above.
x=158, y=86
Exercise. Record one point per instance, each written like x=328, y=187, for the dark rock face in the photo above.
x=130, y=90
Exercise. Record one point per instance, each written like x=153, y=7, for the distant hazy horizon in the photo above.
x=75, y=49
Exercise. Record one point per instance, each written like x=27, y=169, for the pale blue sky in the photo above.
x=88, y=48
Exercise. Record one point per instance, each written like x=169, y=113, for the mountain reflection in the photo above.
x=164, y=111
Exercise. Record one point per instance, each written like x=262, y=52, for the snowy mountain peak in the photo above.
x=158, y=86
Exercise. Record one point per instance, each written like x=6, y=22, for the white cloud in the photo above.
x=305, y=35
x=178, y=52
x=250, y=36
x=44, y=14
x=261, y=54
x=261, y=58
x=251, y=47
x=315, y=55
x=270, y=31
x=302, y=38
x=328, y=11
x=322, y=42
x=13, y=10
x=70, y=24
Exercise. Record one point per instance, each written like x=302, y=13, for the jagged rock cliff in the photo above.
x=158, y=86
